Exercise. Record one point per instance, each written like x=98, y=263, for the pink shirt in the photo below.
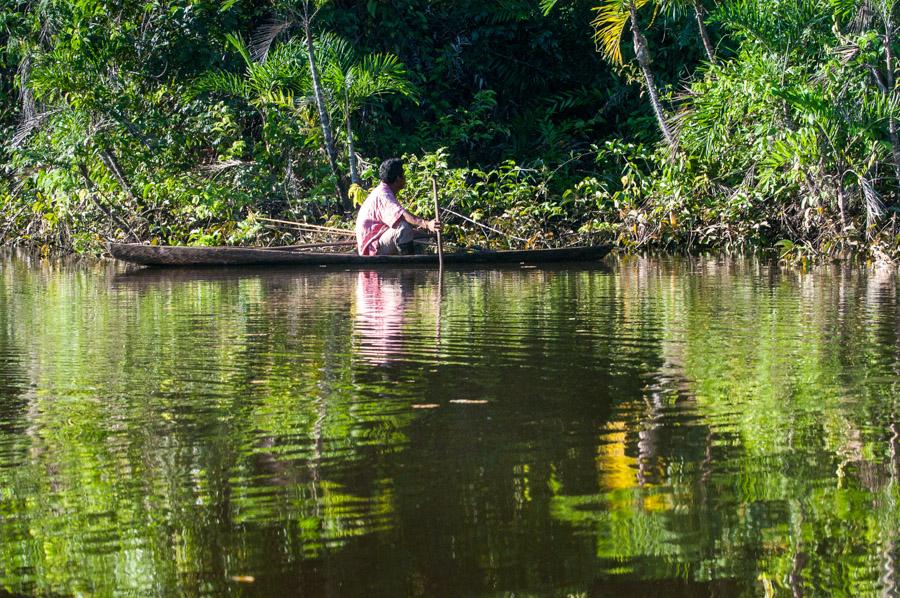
x=379, y=212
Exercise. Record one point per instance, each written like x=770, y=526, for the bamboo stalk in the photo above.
x=437, y=217
x=314, y=227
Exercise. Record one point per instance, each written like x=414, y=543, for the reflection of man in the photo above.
x=383, y=226
x=379, y=315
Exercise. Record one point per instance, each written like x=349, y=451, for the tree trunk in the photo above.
x=842, y=204
x=895, y=453
x=29, y=111
x=700, y=13
x=795, y=578
x=643, y=58
x=648, y=441
x=354, y=163
x=343, y=200
x=891, y=85
x=888, y=577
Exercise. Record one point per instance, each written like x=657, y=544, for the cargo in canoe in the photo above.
x=154, y=255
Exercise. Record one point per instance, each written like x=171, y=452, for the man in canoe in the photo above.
x=383, y=226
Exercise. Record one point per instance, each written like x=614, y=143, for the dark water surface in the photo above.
x=666, y=427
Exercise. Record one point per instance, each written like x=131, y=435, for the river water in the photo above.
x=675, y=427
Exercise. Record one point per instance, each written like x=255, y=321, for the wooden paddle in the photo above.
x=437, y=218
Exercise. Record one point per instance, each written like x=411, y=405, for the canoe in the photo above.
x=155, y=255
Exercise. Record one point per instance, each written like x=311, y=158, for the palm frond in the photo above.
x=877, y=109
x=510, y=11
x=284, y=68
x=807, y=101
x=336, y=55
x=609, y=24
x=675, y=8
x=265, y=35
x=281, y=98
x=336, y=58
x=779, y=25
x=292, y=53
x=845, y=9
x=864, y=16
x=236, y=41
x=872, y=200
x=221, y=82
x=26, y=96
x=582, y=96
x=796, y=146
x=378, y=74
x=28, y=126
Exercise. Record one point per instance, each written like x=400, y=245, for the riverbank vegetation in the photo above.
x=677, y=124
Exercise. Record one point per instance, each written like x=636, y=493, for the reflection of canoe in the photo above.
x=153, y=255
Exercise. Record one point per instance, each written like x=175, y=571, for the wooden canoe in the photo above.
x=154, y=255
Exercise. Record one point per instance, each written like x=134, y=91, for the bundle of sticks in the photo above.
x=305, y=228
x=313, y=230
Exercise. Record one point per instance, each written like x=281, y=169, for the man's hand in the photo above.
x=431, y=225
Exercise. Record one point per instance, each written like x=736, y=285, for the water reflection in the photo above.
x=792, y=447
x=380, y=302
x=688, y=427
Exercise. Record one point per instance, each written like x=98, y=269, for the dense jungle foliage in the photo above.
x=648, y=123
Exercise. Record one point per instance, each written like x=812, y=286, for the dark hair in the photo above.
x=390, y=169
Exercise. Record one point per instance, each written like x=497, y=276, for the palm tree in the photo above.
x=308, y=14
x=699, y=10
x=264, y=85
x=267, y=86
x=887, y=13
x=304, y=12
x=609, y=25
x=353, y=81
x=272, y=77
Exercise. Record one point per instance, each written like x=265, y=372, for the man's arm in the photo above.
x=432, y=225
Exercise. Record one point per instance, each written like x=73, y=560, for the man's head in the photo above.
x=391, y=172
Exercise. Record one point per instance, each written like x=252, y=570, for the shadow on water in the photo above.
x=688, y=427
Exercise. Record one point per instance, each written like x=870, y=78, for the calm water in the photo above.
x=674, y=427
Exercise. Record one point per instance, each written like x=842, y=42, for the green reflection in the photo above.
x=665, y=427
x=790, y=381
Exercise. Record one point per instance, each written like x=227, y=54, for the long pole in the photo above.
x=437, y=217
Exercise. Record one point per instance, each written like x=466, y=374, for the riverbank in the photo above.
x=509, y=207
x=741, y=124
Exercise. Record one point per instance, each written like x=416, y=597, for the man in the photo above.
x=383, y=226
